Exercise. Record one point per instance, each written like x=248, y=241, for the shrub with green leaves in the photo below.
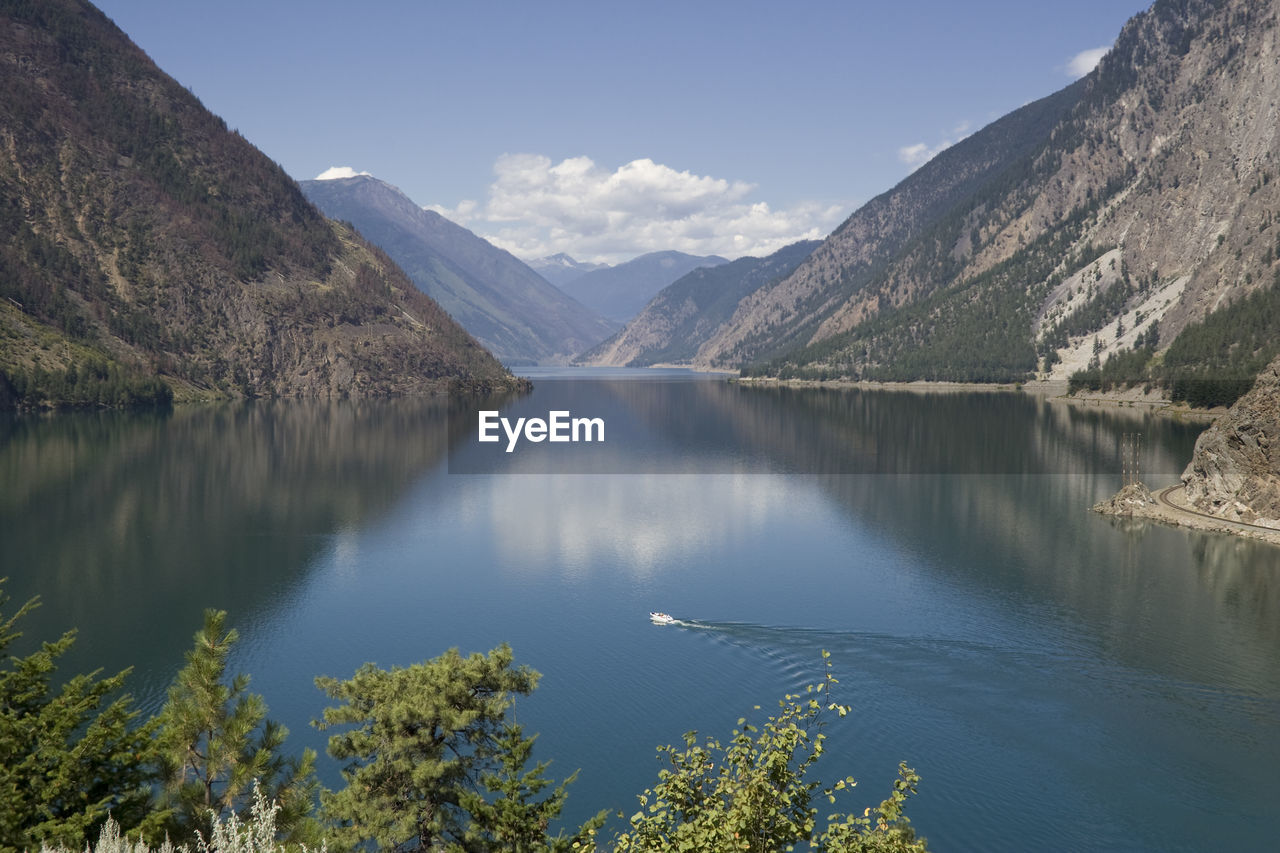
x=754, y=794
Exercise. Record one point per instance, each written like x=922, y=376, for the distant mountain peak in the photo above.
x=334, y=173
x=563, y=259
x=689, y=312
x=561, y=268
x=619, y=292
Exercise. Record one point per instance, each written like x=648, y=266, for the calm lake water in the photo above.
x=1061, y=681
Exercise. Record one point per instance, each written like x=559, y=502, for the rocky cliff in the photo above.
x=1235, y=471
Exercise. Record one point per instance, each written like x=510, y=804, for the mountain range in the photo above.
x=688, y=312
x=1120, y=230
x=516, y=313
x=619, y=292
x=147, y=251
x=560, y=268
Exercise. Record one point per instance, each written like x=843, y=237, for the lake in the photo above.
x=1059, y=680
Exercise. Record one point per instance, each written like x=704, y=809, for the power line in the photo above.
x=1131, y=458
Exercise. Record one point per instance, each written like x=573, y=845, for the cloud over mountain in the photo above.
x=1085, y=61
x=921, y=152
x=537, y=207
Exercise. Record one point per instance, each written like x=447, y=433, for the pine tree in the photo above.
x=215, y=740
x=423, y=741
x=69, y=755
x=506, y=815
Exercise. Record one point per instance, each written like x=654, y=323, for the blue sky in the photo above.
x=611, y=129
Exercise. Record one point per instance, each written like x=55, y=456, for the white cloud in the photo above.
x=1085, y=61
x=916, y=155
x=921, y=152
x=536, y=208
x=334, y=172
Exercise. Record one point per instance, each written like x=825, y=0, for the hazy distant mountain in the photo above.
x=146, y=249
x=619, y=292
x=514, y=312
x=560, y=269
x=1131, y=214
x=673, y=327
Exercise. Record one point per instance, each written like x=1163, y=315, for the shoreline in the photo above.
x=1054, y=391
x=1171, y=508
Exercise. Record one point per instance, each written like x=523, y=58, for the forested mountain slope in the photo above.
x=514, y=311
x=1121, y=212
x=146, y=248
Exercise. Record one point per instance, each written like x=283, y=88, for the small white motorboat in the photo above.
x=657, y=617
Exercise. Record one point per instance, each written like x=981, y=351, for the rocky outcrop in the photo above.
x=1235, y=471
x=1133, y=500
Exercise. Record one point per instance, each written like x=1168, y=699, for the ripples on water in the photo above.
x=979, y=718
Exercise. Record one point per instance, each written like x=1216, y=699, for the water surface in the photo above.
x=1060, y=680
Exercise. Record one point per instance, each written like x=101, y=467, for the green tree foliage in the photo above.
x=69, y=755
x=258, y=833
x=94, y=382
x=215, y=740
x=1214, y=362
x=755, y=795
x=1097, y=311
x=1210, y=363
x=1123, y=369
x=507, y=815
x=432, y=764
x=419, y=741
